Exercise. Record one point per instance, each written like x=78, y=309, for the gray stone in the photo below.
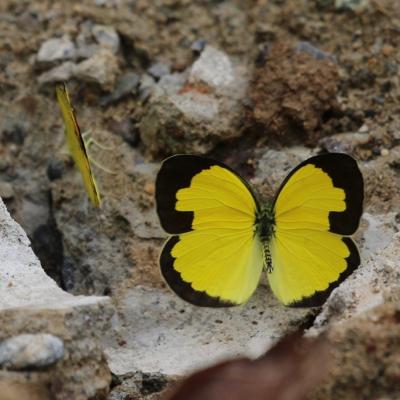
x=199, y=45
x=87, y=50
x=197, y=106
x=61, y=73
x=30, y=351
x=126, y=85
x=354, y=5
x=56, y=49
x=107, y=37
x=108, y=3
x=102, y=69
x=318, y=54
x=344, y=142
x=158, y=70
x=170, y=84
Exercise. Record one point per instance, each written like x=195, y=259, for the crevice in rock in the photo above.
x=47, y=244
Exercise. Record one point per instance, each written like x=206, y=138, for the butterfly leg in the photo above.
x=89, y=141
x=102, y=167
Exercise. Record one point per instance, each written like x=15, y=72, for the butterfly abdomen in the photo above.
x=265, y=228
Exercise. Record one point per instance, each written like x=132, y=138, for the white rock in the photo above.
x=102, y=68
x=30, y=351
x=23, y=283
x=61, y=73
x=213, y=68
x=56, y=49
x=106, y=36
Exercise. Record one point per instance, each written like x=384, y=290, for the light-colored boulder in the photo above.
x=162, y=333
x=32, y=303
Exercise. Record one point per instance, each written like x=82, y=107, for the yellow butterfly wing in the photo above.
x=76, y=145
x=213, y=258
x=317, y=207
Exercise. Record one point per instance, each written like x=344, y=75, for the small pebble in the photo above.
x=30, y=351
x=126, y=85
x=158, y=70
x=106, y=36
x=213, y=68
x=318, y=54
x=54, y=169
x=353, y=5
x=56, y=49
x=198, y=45
x=102, y=69
x=86, y=50
x=6, y=190
x=384, y=152
x=149, y=188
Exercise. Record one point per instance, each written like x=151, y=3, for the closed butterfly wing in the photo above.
x=213, y=258
x=76, y=145
x=318, y=205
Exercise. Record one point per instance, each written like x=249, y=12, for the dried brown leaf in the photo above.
x=288, y=371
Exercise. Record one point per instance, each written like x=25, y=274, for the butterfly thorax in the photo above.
x=265, y=228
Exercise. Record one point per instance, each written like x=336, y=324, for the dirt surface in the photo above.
x=321, y=76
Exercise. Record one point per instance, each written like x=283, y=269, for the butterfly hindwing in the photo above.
x=215, y=259
x=307, y=266
x=222, y=271
x=317, y=205
x=76, y=145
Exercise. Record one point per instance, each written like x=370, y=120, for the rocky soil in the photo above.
x=258, y=84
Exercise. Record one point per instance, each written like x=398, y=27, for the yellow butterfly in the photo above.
x=76, y=145
x=223, y=236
